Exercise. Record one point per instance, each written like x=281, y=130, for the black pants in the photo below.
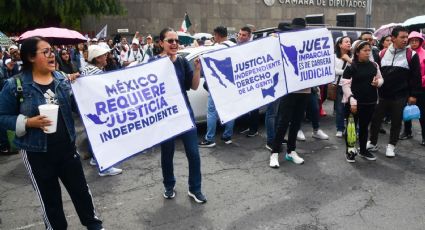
x=362, y=118
x=290, y=114
x=395, y=109
x=420, y=102
x=44, y=170
x=253, y=120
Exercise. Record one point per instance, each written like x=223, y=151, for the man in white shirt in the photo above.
x=135, y=55
x=148, y=47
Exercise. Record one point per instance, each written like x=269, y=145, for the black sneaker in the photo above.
x=368, y=155
x=206, y=144
x=169, y=193
x=405, y=136
x=252, y=133
x=227, y=140
x=350, y=155
x=198, y=197
x=4, y=148
x=387, y=120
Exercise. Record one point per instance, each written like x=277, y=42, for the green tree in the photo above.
x=21, y=15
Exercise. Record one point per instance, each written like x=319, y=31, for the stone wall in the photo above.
x=150, y=16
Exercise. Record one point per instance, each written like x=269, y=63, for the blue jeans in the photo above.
x=212, y=118
x=270, y=120
x=339, y=110
x=190, y=142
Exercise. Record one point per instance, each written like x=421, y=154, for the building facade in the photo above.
x=150, y=16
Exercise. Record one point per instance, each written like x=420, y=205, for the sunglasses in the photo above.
x=47, y=52
x=171, y=41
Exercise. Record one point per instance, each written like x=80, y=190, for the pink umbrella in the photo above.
x=56, y=36
x=385, y=30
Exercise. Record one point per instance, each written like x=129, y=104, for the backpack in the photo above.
x=141, y=51
x=19, y=90
x=409, y=54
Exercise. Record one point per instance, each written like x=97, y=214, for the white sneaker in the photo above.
x=319, y=134
x=293, y=156
x=338, y=134
x=390, y=151
x=371, y=147
x=274, y=160
x=300, y=135
x=111, y=172
x=93, y=161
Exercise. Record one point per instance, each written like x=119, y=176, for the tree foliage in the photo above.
x=21, y=15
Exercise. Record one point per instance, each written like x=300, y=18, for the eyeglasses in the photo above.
x=47, y=52
x=171, y=41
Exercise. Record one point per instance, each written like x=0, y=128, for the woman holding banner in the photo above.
x=47, y=144
x=360, y=81
x=188, y=79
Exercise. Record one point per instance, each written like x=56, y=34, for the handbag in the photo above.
x=411, y=112
x=333, y=88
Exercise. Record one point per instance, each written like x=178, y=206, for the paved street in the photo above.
x=243, y=192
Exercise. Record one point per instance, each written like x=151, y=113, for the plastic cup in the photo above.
x=51, y=112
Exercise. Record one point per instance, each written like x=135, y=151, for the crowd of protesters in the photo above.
x=374, y=81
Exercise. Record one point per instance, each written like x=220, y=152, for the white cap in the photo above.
x=135, y=41
x=12, y=47
x=94, y=40
x=7, y=61
x=96, y=51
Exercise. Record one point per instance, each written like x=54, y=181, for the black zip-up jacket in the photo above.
x=401, y=78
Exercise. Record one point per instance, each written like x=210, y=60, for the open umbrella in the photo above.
x=184, y=38
x=5, y=40
x=385, y=30
x=55, y=36
x=415, y=22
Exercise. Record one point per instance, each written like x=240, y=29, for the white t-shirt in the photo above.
x=135, y=56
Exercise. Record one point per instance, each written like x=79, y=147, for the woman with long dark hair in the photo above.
x=65, y=64
x=384, y=42
x=188, y=79
x=360, y=83
x=48, y=157
x=342, y=59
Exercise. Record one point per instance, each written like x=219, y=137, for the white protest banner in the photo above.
x=308, y=58
x=244, y=77
x=128, y=111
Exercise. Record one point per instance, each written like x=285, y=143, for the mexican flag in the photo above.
x=186, y=23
